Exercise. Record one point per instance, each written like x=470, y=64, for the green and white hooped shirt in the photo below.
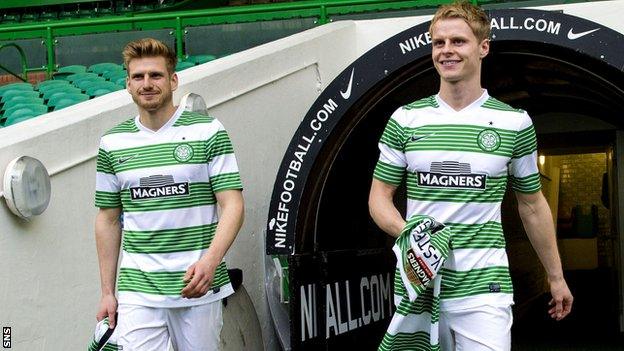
x=165, y=182
x=456, y=165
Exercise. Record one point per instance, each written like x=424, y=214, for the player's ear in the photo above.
x=174, y=81
x=484, y=48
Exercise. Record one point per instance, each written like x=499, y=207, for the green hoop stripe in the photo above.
x=169, y=240
x=103, y=163
x=105, y=199
x=388, y=173
x=528, y=185
x=125, y=127
x=226, y=181
x=474, y=282
x=158, y=155
x=478, y=236
x=190, y=118
x=392, y=135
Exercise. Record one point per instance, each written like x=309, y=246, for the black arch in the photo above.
x=411, y=48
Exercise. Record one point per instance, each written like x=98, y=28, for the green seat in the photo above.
x=49, y=82
x=199, y=59
x=85, y=83
x=20, y=116
x=114, y=75
x=35, y=108
x=181, y=66
x=80, y=76
x=21, y=100
x=121, y=82
x=9, y=104
x=70, y=90
x=44, y=89
x=15, y=86
x=73, y=69
x=102, y=90
x=64, y=99
x=101, y=68
x=10, y=94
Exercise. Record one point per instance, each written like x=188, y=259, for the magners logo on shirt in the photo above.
x=158, y=186
x=451, y=174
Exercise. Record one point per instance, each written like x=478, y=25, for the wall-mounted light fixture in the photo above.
x=26, y=187
x=194, y=103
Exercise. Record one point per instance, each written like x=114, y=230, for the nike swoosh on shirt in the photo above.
x=574, y=36
x=347, y=94
x=125, y=159
x=419, y=137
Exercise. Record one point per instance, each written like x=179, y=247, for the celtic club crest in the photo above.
x=489, y=140
x=183, y=152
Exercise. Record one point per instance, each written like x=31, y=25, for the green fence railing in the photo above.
x=177, y=22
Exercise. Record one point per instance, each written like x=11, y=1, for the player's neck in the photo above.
x=460, y=94
x=154, y=120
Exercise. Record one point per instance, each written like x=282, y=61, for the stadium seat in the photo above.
x=199, y=59
x=73, y=69
x=66, y=100
x=80, y=76
x=85, y=83
x=96, y=91
x=44, y=89
x=49, y=82
x=15, y=86
x=181, y=66
x=121, y=82
x=19, y=116
x=114, y=75
x=69, y=90
x=34, y=108
x=10, y=94
x=21, y=100
x=12, y=104
x=101, y=68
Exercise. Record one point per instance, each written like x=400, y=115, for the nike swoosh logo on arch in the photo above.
x=574, y=36
x=347, y=94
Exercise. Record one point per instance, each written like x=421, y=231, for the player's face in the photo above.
x=456, y=52
x=150, y=84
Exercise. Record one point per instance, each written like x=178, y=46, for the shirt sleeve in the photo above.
x=391, y=165
x=107, y=189
x=523, y=171
x=222, y=166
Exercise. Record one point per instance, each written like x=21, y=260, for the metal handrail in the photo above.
x=22, y=59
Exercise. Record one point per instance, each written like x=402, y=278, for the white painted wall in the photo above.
x=49, y=283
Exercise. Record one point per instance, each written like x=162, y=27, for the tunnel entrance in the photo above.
x=340, y=267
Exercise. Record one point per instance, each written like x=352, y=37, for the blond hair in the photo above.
x=149, y=47
x=473, y=15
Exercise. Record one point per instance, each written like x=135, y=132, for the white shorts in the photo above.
x=195, y=328
x=476, y=329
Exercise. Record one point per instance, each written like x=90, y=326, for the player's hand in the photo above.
x=561, y=302
x=198, y=278
x=108, y=308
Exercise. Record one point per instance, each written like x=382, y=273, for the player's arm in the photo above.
x=108, y=240
x=199, y=275
x=382, y=209
x=537, y=220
